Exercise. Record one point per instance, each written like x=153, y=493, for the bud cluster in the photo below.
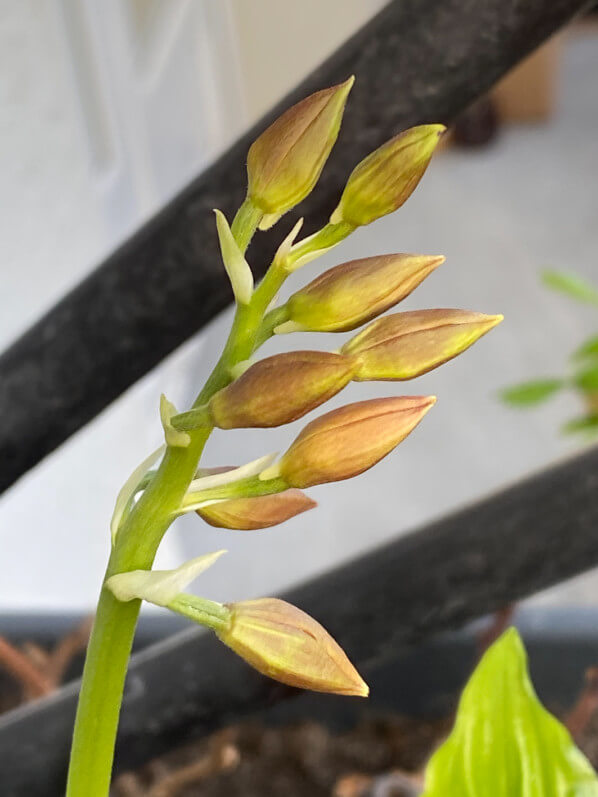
x=283, y=166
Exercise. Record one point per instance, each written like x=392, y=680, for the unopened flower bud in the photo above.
x=285, y=162
x=348, y=295
x=405, y=345
x=384, y=180
x=260, y=512
x=284, y=643
x=346, y=442
x=280, y=389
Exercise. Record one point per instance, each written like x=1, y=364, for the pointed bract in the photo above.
x=287, y=644
x=260, y=512
x=280, y=389
x=237, y=268
x=345, y=442
x=406, y=345
x=173, y=437
x=285, y=162
x=348, y=295
x=159, y=587
x=384, y=180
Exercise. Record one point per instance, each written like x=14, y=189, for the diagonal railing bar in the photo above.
x=503, y=548
x=417, y=61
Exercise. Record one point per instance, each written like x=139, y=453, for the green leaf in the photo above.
x=504, y=742
x=529, y=393
x=587, y=349
x=571, y=285
x=587, y=380
x=587, y=424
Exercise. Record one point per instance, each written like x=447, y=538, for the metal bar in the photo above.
x=508, y=546
x=417, y=61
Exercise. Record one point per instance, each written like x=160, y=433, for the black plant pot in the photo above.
x=424, y=680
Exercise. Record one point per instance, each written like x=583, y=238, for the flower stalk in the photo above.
x=277, y=639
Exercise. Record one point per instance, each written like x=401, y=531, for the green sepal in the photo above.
x=504, y=742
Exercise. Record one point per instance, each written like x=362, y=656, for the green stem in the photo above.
x=135, y=549
x=207, y=613
x=250, y=487
x=114, y=627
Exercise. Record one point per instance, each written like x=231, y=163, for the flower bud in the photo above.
x=348, y=295
x=280, y=389
x=284, y=643
x=346, y=442
x=384, y=180
x=285, y=162
x=405, y=345
x=260, y=512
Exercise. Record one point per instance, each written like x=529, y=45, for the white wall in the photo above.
x=107, y=110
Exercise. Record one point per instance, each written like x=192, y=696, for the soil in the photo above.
x=302, y=760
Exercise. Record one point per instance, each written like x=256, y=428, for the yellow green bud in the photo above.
x=260, y=512
x=348, y=295
x=405, y=345
x=285, y=162
x=347, y=441
x=384, y=180
x=280, y=389
x=286, y=644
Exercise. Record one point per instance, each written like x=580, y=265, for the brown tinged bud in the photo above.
x=260, y=512
x=384, y=180
x=285, y=162
x=346, y=442
x=286, y=644
x=348, y=295
x=405, y=345
x=280, y=389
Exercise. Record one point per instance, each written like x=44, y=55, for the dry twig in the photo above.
x=221, y=757
x=34, y=683
x=586, y=706
x=499, y=623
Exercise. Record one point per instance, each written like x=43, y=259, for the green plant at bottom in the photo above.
x=276, y=638
x=504, y=742
x=582, y=378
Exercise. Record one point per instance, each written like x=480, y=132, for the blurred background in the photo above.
x=111, y=108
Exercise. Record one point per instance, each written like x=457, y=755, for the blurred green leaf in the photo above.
x=504, y=743
x=571, y=285
x=586, y=424
x=529, y=393
x=587, y=349
x=587, y=380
